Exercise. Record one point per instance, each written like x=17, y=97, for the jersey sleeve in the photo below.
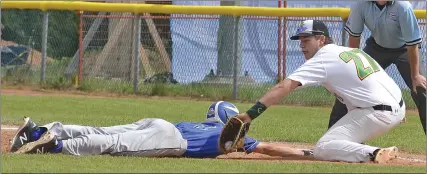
x=409, y=26
x=250, y=144
x=355, y=22
x=312, y=72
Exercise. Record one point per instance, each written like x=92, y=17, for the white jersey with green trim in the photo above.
x=351, y=75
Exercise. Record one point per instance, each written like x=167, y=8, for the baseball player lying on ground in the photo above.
x=148, y=137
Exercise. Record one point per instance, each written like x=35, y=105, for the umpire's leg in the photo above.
x=338, y=111
x=402, y=64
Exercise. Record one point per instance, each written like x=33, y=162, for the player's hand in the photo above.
x=418, y=80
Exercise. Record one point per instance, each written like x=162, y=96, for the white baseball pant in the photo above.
x=147, y=137
x=342, y=141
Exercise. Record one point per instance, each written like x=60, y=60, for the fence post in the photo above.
x=425, y=52
x=235, y=56
x=285, y=29
x=44, y=46
x=343, y=33
x=1, y=47
x=136, y=50
x=80, y=49
x=279, y=45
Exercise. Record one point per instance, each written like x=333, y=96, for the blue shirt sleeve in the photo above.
x=355, y=22
x=409, y=26
x=250, y=144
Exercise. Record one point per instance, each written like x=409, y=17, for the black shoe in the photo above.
x=308, y=152
x=23, y=135
x=47, y=143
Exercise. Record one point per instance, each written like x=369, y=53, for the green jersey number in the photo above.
x=357, y=55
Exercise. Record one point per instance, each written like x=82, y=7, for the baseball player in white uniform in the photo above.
x=373, y=99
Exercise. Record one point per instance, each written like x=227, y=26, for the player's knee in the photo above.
x=319, y=152
x=56, y=127
x=419, y=95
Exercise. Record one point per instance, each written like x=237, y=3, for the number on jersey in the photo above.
x=358, y=56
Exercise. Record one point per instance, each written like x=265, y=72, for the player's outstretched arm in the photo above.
x=276, y=93
x=279, y=91
x=275, y=149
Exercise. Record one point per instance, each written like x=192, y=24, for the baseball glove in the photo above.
x=232, y=135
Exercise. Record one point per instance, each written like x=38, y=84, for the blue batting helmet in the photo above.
x=221, y=111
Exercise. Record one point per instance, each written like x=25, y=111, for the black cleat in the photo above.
x=308, y=152
x=47, y=143
x=23, y=135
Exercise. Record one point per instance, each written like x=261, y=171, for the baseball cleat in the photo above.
x=308, y=152
x=47, y=143
x=23, y=135
x=386, y=154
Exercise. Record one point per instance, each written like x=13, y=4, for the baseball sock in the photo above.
x=58, y=147
x=35, y=135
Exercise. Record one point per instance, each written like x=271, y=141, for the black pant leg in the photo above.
x=338, y=111
x=383, y=57
x=421, y=106
x=402, y=64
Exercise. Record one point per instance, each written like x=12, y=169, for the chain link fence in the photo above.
x=21, y=56
x=212, y=56
x=26, y=33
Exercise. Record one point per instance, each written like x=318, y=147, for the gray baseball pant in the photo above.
x=385, y=57
x=148, y=137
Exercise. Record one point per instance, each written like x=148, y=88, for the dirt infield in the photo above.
x=8, y=131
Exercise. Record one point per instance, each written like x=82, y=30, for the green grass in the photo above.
x=279, y=123
x=71, y=164
x=30, y=75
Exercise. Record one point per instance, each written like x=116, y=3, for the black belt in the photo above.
x=386, y=107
